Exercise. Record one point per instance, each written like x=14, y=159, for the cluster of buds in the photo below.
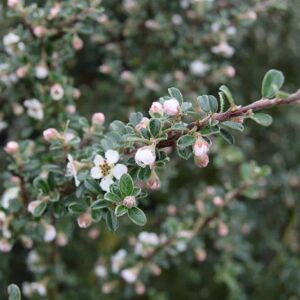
x=200, y=149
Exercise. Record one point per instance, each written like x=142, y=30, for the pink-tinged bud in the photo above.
x=93, y=233
x=57, y=92
x=50, y=134
x=200, y=147
x=61, y=239
x=98, y=118
x=22, y=71
x=156, y=108
x=49, y=233
x=140, y=288
x=71, y=109
x=5, y=245
x=84, y=220
x=229, y=71
x=251, y=15
x=171, y=107
x=200, y=206
x=129, y=201
x=218, y=201
x=39, y=31
x=153, y=183
x=15, y=179
x=155, y=269
x=105, y=69
x=76, y=93
x=77, y=42
x=126, y=75
x=201, y=255
x=54, y=11
x=202, y=161
x=172, y=210
x=143, y=124
x=11, y=147
x=33, y=205
x=223, y=229
x=103, y=19
x=145, y=156
x=12, y=3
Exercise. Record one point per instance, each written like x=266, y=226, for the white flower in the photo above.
x=72, y=170
x=118, y=260
x=130, y=275
x=147, y=241
x=171, y=107
x=223, y=49
x=101, y=271
x=12, y=43
x=50, y=233
x=8, y=195
x=198, y=68
x=106, y=169
x=41, y=71
x=29, y=288
x=145, y=156
x=57, y=92
x=34, y=109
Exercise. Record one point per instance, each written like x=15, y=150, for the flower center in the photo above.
x=105, y=169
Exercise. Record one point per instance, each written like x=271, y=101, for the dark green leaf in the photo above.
x=154, y=127
x=137, y=216
x=233, y=125
x=92, y=186
x=272, y=83
x=121, y=210
x=126, y=185
x=111, y=197
x=112, y=221
x=76, y=208
x=227, y=136
x=175, y=93
x=208, y=103
x=40, y=209
x=262, y=119
x=185, y=141
x=135, y=118
x=100, y=204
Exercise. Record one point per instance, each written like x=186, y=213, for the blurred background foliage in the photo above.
x=259, y=259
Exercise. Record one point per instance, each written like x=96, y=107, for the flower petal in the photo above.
x=96, y=173
x=112, y=156
x=119, y=170
x=98, y=160
x=105, y=183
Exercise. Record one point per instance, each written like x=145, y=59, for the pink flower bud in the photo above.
x=218, y=201
x=93, y=233
x=11, y=147
x=201, y=255
x=5, y=245
x=57, y=92
x=202, y=161
x=50, y=134
x=22, y=71
x=98, y=118
x=172, y=210
x=126, y=75
x=39, y=31
x=140, y=288
x=84, y=220
x=77, y=42
x=200, y=147
x=12, y=3
x=156, y=108
x=50, y=233
x=105, y=69
x=145, y=156
x=223, y=230
x=229, y=71
x=153, y=183
x=171, y=107
x=54, y=11
x=62, y=239
x=129, y=201
x=71, y=109
x=143, y=124
x=103, y=19
x=76, y=93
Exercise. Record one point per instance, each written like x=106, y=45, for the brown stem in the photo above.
x=231, y=113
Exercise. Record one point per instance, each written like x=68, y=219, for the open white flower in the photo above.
x=34, y=109
x=106, y=169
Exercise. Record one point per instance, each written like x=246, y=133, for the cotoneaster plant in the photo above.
x=112, y=170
